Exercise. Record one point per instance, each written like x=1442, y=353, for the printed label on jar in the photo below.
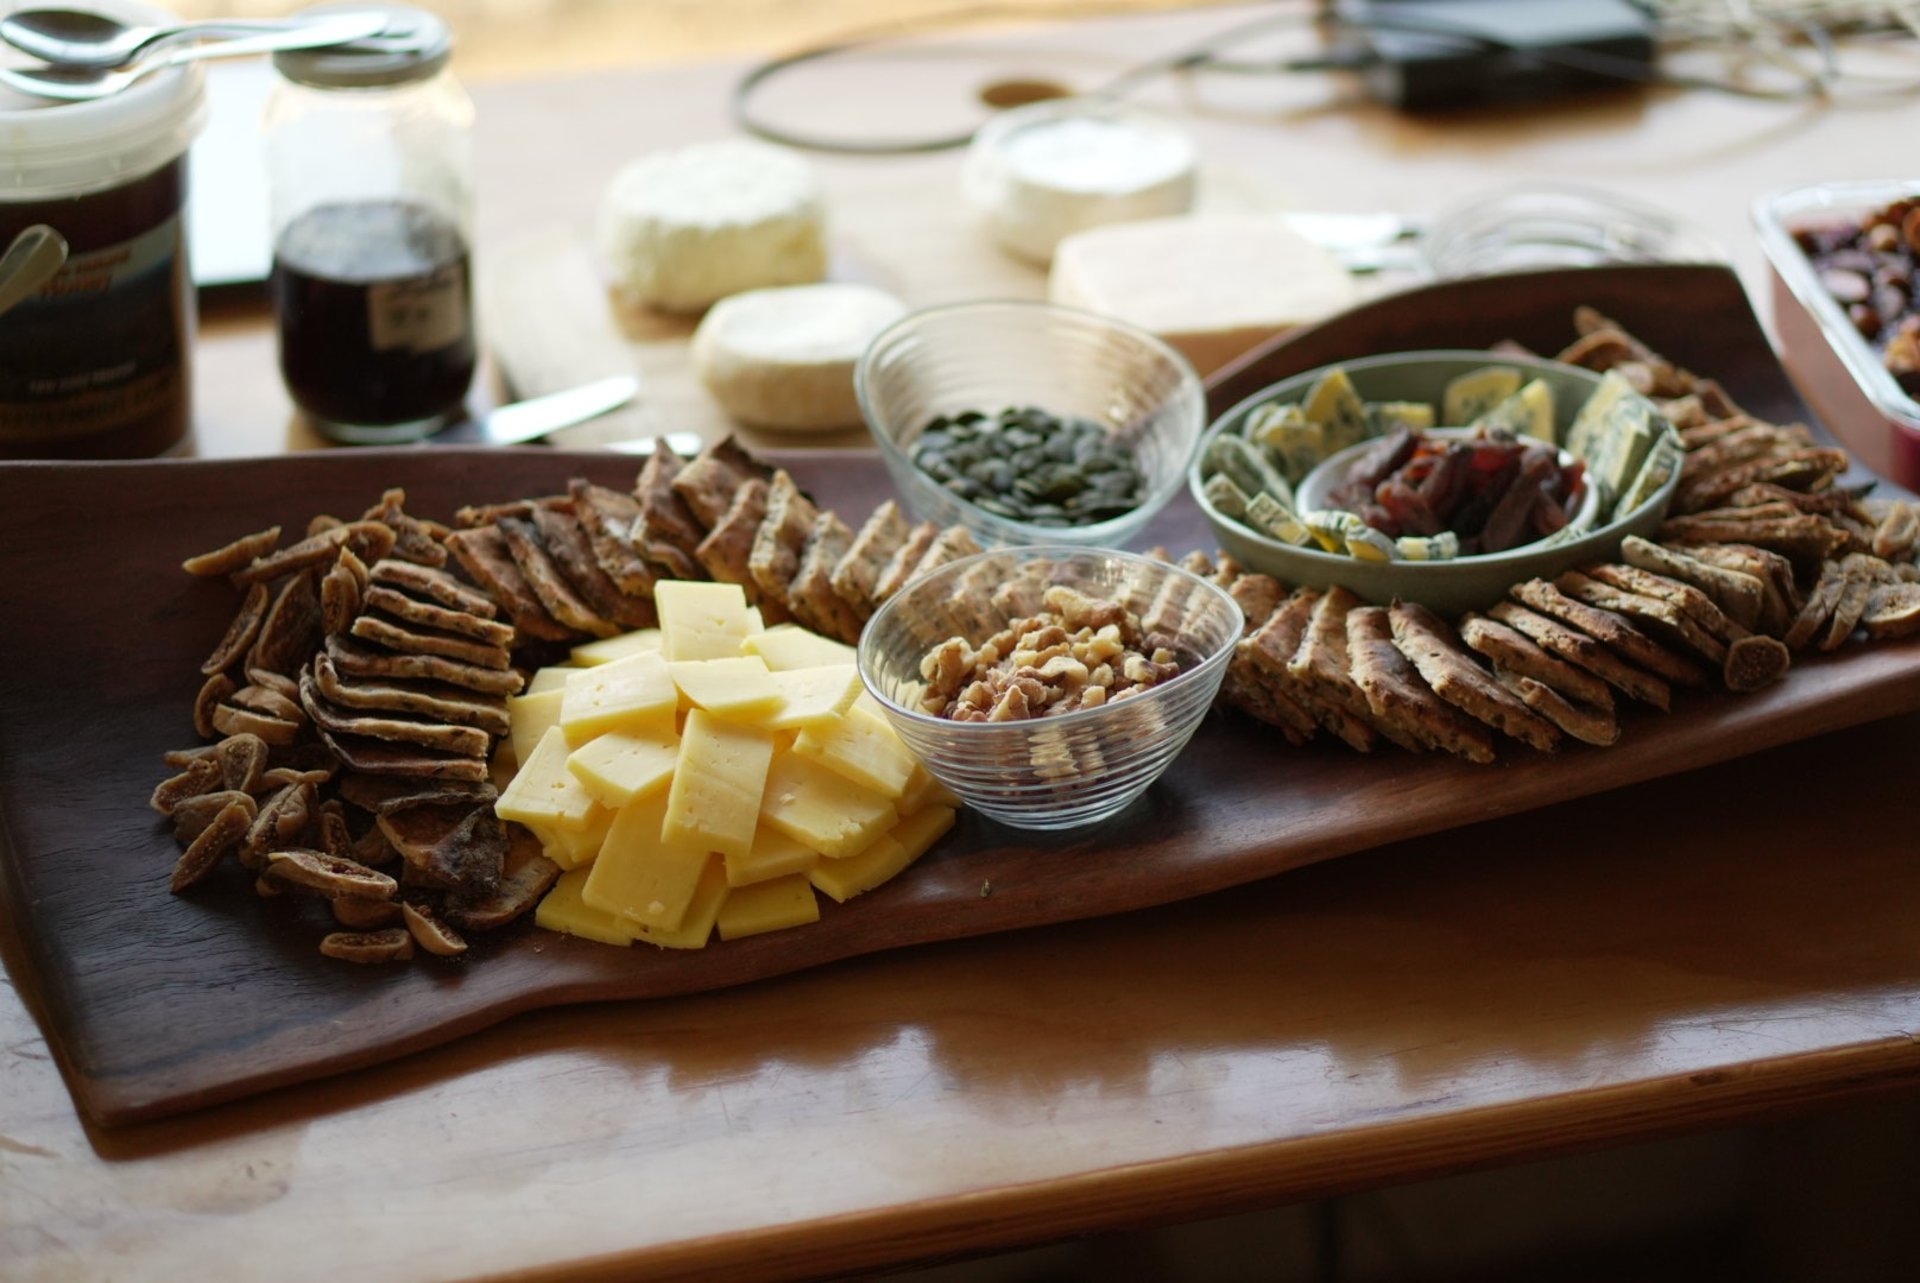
x=98, y=346
x=419, y=313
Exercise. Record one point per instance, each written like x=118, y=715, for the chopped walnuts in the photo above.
x=1081, y=652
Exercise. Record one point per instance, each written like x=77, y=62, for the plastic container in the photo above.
x=1037, y=174
x=369, y=157
x=1074, y=768
x=1840, y=371
x=97, y=362
x=988, y=356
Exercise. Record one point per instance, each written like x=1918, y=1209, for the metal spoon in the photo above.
x=30, y=262
x=83, y=84
x=79, y=38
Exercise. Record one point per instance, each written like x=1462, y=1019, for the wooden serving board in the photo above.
x=156, y=1004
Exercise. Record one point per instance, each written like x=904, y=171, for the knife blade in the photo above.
x=529, y=420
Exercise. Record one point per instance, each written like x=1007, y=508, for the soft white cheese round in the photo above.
x=681, y=229
x=1037, y=174
x=784, y=358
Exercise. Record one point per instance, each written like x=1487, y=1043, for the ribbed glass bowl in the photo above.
x=989, y=356
x=1074, y=768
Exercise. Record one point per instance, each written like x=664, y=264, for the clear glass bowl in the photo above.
x=987, y=356
x=1557, y=225
x=1074, y=768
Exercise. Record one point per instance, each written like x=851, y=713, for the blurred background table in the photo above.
x=1725, y=947
x=547, y=145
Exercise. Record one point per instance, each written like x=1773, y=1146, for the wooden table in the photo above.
x=1720, y=947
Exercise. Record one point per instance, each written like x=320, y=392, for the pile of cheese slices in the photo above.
x=712, y=774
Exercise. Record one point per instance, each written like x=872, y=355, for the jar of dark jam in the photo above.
x=369, y=151
x=96, y=362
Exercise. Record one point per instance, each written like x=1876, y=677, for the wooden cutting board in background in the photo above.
x=552, y=320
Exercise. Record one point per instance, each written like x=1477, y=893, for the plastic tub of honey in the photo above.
x=97, y=362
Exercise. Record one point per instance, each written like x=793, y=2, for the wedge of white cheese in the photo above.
x=1212, y=285
x=784, y=358
x=681, y=229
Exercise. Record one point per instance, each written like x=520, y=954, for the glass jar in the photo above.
x=95, y=362
x=369, y=158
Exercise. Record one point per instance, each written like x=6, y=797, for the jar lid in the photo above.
x=415, y=45
x=58, y=150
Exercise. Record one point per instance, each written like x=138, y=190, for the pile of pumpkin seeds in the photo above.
x=1024, y=464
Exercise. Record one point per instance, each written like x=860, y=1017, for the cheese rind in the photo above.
x=715, y=797
x=773, y=905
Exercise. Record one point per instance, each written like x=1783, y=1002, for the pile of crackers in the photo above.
x=1768, y=553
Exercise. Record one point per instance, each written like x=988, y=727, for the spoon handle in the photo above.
x=336, y=29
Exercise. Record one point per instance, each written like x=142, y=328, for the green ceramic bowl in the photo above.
x=1465, y=583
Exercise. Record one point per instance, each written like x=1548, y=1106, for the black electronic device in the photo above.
x=1428, y=55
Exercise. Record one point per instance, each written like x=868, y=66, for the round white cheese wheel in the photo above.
x=681, y=229
x=784, y=358
x=1040, y=173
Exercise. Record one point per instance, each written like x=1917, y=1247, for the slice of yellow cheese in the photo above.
x=622, y=765
x=571, y=848
x=702, y=620
x=822, y=809
x=773, y=855
x=885, y=857
x=861, y=747
x=715, y=796
x=923, y=790
x=739, y=687
x=544, y=791
x=768, y=906
x=638, y=875
x=607, y=649
x=703, y=910
x=548, y=679
x=563, y=910
x=615, y=696
x=529, y=717
x=787, y=646
x=812, y=695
